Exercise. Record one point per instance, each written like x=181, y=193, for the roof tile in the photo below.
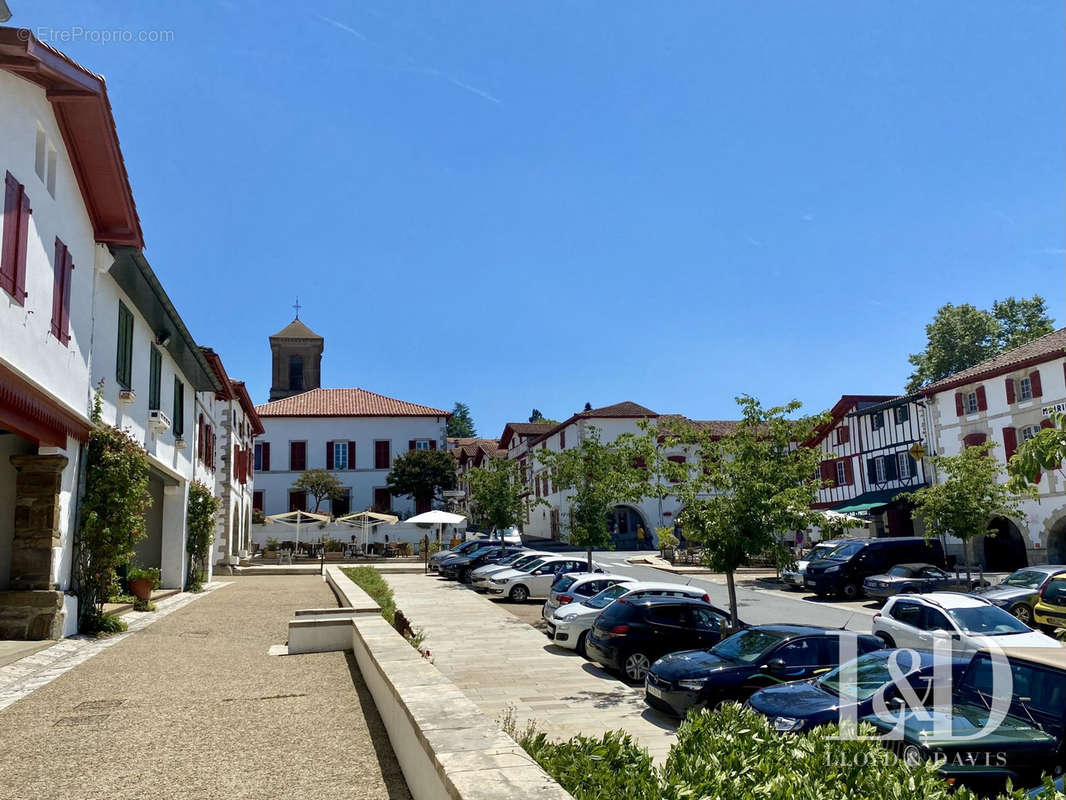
x=345, y=403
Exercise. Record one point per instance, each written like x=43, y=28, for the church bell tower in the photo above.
x=297, y=357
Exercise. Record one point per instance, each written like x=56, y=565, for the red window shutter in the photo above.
x=411, y=444
x=1046, y=423
x=266, y=456
x=849, y=478
x=64, y=322
x=20, y=255
x=958, y=404
x=351, y=455
x=200, y=437
x=432, y=444
x=982, y=401
x=57, y=286
x=843, y=435
x=249, y=461
x=12, y=202
x=1010, y=390
x=1034, y=381
x=329, y=455
x=1010, y=442
x=562, y=440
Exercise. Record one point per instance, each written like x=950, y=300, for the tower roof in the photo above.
x=296, y=330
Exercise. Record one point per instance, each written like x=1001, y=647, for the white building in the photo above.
x=353, y=433
x=1007, y=399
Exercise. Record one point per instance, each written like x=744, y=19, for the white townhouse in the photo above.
x=1007, y=399
x=551, y=521
x=353, y=433
x=79, y=308
x=226, y=427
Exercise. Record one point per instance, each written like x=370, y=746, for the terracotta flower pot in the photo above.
x=141, y=589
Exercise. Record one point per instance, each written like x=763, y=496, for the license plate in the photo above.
x=654, y=690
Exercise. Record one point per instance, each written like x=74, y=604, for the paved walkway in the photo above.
x=193, y=707
x=502, y=663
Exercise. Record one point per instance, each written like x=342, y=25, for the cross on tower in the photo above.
x=297, y=306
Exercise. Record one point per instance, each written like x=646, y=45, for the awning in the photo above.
x=867, y=501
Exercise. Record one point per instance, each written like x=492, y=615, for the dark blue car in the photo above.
x=853, y=688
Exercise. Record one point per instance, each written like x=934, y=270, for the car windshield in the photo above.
x=901, y=572
x=845, y=551
x=512, y=558
x=607, y=596
x=986, y=621
x=748, y=646
x=532, y=565
x=860, y=679
x=1025, y=579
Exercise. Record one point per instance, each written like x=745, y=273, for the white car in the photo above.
x=794, y=577
x=573, y=587
x=571, y=623
x=535, y=579
x=970, y=623
x=479, y=578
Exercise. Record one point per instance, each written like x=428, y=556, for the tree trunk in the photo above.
x=731, y=585
x=968, y=548
x=588, y=554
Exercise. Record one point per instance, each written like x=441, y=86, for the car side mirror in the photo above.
x=776, y=666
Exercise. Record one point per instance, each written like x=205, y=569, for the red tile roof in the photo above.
x=345, y=403
x=1047, y=347
x=296, y=330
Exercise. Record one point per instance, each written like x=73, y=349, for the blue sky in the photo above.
x=521, y=204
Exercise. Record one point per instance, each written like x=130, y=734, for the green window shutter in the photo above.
x=179, y=408
x=155, y=375
x=124, y=365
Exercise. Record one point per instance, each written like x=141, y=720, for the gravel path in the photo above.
x=193, y=707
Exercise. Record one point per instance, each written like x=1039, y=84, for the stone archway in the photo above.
x=1006, y=551
x=623, y=522
x=1056, y=542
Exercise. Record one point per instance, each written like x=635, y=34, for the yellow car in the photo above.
x=1050, y=610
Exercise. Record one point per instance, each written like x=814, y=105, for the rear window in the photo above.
x=616, y=612
x=1055, y=591
x=563, y=583
x=607, y=596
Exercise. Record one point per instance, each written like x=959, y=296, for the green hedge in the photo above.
x=733, y=754
x=370, y=581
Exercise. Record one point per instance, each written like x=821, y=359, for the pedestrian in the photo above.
x=640, y=537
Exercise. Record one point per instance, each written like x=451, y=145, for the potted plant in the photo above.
x=667, y=542
x=271, y=548
x=334, y=549
x=142, y=582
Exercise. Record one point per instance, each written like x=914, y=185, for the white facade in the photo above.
x=365, y=479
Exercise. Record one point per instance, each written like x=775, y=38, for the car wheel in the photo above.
x=519, y=594
x=888, y=640
x=635, y=667
x=850, y=591
x=1023, y=613
x=580, y=648
x=908, y=590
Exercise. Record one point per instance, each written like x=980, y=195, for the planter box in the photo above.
x=270, y=554
x=339, y=556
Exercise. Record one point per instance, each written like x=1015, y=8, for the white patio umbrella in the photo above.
x=438, y=518
x=298, y=518
x=367, y=520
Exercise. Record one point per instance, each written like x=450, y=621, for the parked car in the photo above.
x=480, y=577
x=461, y=567
x=1020, y=590
x=570, y=624
x=793, y=577
x=573, y=587
x=1026, y=743
x=1049, y=613
x=909, y=578
x=465, y=547
x=535, y=581
x=853, y=687
x=971, y=623
x=843, y=570
x=509, y=536
x=743, y=663
x=447, y=567
x=631, y=634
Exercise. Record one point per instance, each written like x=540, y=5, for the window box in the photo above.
x=127, y=396
x=158, y=421
x=180, y=443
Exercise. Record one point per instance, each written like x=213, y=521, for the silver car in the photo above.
x=575, y=587
x=793, y=578
x=479, y=578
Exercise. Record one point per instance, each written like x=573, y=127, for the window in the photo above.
x=383, y=501
x=179, y=408
x=1029, y=431
x=676, y=460
x=41, y=154
x=155, y=377
x=124, y=355
x=562, y=440
x=382, y=454
x=340, y=455
x=971, y=403
x=296, y=373
x=907, y=612
x=257, y=499
x=61, y=275
x=257, y=459
x=877, y=421
x=297, y=500
x=904, y=465
x=842, y=473
x=1025, y=389
x=800, y=653
x=342, y=505
x=297, y=456
x=901, y=414
x=50, y=181
x=421, y=444
x=16, y=235
x=879, y=469
x=843, y=435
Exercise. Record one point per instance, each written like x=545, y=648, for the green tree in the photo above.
x=496, y=494
x=321, y=485
x=536, y=416
x=600, y=475
x=969, y=494
x=961, y=336
x=422, y=474
x=202, y=509
x=461, y=423
x=739, y=493
x=1045, y=451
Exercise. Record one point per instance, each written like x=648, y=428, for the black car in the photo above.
x=850, y=691
x=630, y=634
x=843, y=571
x=459, y=566
x=759, y=656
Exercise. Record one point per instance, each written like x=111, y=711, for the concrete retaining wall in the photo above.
x=445, y=746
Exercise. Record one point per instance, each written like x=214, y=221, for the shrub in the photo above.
x=370, y=581
x=96, y=623
x=202, y=510
x=272, y=543
x=667, y=539
x=611, y=767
